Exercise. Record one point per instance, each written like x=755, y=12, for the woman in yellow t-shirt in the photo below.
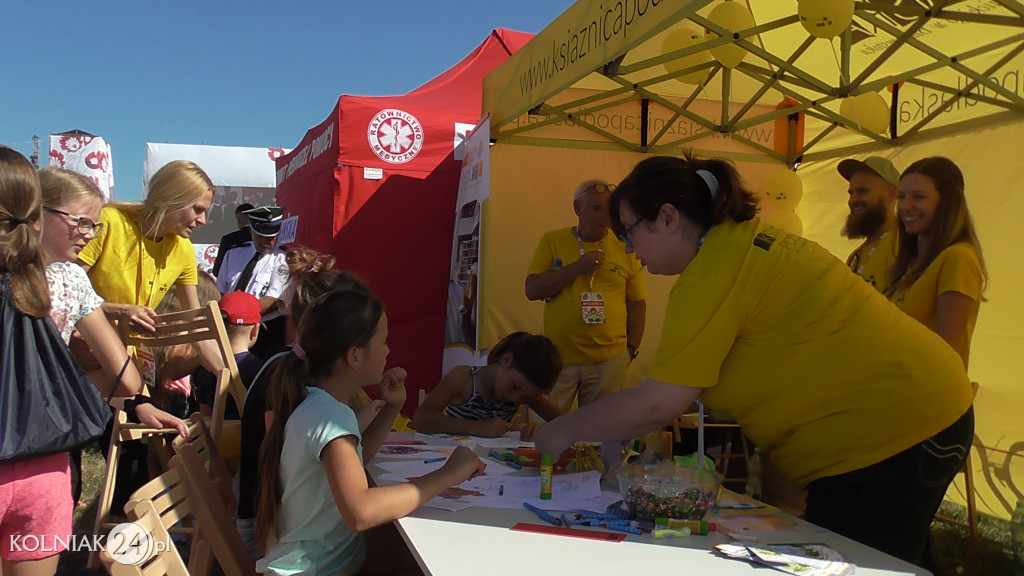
x=816, y=365
x=939, y=273
x=144, y=247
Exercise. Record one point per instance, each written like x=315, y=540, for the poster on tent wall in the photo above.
x=239, y=175
x=86, y=155
x=461, y=321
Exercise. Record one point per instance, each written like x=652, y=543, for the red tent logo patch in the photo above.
x=395, y=136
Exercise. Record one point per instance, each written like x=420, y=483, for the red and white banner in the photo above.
x=86, y=155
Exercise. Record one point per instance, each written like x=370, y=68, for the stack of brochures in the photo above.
x=797, y=559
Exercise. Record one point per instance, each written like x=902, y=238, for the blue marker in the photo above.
x=432, y=460
x=542, y=514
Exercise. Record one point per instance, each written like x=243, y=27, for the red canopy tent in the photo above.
x=375, y=185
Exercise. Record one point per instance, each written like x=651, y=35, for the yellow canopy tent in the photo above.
x=771, y=85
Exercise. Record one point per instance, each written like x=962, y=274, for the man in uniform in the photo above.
x=233, y=239
x=874, y=183
x=259, y=268
x=595, y=299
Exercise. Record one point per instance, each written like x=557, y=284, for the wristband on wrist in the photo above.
x=131, y=404
x=634, y=351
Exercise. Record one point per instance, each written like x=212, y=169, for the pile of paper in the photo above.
x=797, y=559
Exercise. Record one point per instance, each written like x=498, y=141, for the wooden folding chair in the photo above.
x=968, y=471
x=194, y=326
x=164, y=559
x=214, y=520
x=201, y=444
x=167, y=495
x=191, y=326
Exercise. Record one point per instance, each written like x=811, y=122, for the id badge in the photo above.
x=593, y=307
x=145, y=363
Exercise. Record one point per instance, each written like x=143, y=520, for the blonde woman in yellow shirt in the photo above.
x=144, y=248
x=939, y=274
x=815, y=364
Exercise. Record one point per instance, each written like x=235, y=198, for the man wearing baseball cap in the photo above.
x=874, y=182
x=259, y=268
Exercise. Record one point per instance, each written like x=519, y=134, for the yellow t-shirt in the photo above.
x=116, y=272
x=817, y=366
x=619, y=279
x=873, y=262
x=955, y=269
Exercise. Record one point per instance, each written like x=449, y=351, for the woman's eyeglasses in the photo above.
x=626, y=235
x=84, y=225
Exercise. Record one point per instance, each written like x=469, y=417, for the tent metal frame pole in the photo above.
x=961, y=94
x=950, y=61
x=765, y=86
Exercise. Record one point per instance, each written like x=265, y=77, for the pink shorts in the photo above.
x=35, y=508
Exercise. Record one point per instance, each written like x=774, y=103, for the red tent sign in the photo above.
x=395, y=136
x=375, y=185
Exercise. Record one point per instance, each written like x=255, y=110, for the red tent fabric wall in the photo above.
x=387, y=215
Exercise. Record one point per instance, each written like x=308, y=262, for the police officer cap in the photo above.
x=265, y=220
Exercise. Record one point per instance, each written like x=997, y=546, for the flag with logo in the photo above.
x=85, y=154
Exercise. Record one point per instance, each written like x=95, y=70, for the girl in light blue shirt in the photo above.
x=314, y=499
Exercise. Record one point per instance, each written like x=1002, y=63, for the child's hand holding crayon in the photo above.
x=492, y=428
x=464, y=464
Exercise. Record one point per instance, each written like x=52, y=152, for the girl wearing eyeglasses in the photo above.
x=856, y=401
x=71, y=208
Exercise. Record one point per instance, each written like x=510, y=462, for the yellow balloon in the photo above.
x=785, y=189
x=869, y=111
x=825, y=18
x=734, y=17
x=678, y=39
x=787, y=220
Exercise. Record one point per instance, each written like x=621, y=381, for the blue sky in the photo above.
x=223, y=73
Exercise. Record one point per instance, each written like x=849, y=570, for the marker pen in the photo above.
x=432, y=460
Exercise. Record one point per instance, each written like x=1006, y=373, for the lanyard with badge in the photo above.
x=591, y=302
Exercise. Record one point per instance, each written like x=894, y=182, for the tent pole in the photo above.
x=645, y=118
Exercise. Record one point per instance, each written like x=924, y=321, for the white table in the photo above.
x=478, y=541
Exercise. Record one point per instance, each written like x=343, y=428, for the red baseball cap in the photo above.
x=241, y=307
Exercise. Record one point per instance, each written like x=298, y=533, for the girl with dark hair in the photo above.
x=310, y=275
x=481, y=400
x=314, y=500
x=939, y=275
x=814, y=364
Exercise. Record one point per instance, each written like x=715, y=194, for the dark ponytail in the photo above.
x=707, y=192
x=335, y=323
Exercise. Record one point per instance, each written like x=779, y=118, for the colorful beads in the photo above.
x=651, y=502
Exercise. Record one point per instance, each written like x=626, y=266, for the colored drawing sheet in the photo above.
x=410, y=451
x=568, y=492
x=508, y=441
x=403, y=470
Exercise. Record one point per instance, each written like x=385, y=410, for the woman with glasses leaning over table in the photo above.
x=857, y=402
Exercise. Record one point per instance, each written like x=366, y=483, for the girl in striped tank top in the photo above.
x=481, y=400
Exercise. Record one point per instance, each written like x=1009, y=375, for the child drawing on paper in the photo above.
x=315, y=501
x=481, y=400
